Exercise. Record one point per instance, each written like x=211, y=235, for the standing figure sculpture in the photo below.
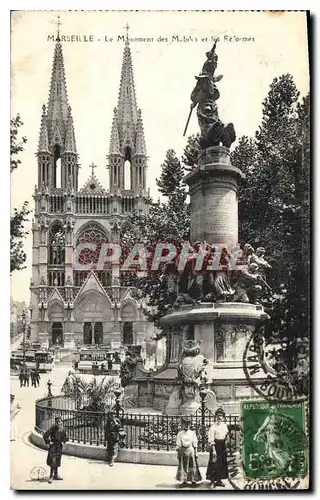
x=190, y=372
x=204, y=95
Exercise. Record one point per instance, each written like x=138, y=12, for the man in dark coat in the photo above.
x=33, y=379
x=21, y=376
x=112, y=437
x=37, y=377
x=55, y=437
x=26, y=377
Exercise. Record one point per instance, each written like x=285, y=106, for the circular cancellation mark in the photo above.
x=269, y=378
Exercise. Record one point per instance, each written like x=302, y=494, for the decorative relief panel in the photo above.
x=230, y=342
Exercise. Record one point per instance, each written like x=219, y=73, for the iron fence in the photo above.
x=142, y=431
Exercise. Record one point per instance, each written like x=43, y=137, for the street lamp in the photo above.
x=24, y=323
x=117, y=407
x=203, y=393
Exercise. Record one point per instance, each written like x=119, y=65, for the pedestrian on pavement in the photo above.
x=218, y=465
x=33, y=378
x=37, y=377
x=113, y=426
x=110, y=364
x=21, y=376
x=26, y=377
x=55, y=437
x=187, y=443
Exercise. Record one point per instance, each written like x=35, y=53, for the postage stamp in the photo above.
x=274, y=439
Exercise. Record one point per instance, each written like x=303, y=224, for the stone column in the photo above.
x=213, y=198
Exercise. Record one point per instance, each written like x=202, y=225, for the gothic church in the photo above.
x=70, y=306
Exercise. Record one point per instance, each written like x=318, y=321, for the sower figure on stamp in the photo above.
x=187, y=443
x=55, y=437
x=113, y=427
x=218, y=466
x=269, y=434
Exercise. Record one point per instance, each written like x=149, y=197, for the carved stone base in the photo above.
x=223, y=330
x=189, y=408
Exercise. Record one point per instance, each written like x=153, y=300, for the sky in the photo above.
x=254, y=48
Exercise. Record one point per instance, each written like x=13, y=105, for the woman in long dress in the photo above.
x=218, y=466
x=187, y=443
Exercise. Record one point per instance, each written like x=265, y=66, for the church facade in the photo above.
x=74, y=305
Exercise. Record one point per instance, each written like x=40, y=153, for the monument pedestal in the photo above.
x=223, y=331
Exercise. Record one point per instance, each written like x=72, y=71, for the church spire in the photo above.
x=127, y=153
x=58, y=98
x=127, y=104
x=57, y=137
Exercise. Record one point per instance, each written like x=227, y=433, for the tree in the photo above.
x=191, y=152
x=167, y=222
x=20, y=216
x=16, y=145
x=274, y=202
x=273, y=208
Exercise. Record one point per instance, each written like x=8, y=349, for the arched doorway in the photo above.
x=57, y=334
x=87, y=333
x=98, y=333
x=127, y=333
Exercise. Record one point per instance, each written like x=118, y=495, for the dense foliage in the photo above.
x=167, y=221
x=273, y=209
x=19, y=216
x=274, y=202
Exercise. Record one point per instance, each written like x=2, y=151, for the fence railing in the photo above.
x=142, y=431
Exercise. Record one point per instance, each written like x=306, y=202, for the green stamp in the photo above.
x=274, y=439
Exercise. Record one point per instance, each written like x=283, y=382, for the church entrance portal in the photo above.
x=98, y=333
x=97, y=337
x=87, y=333
x=127, y=333
x=57, y=334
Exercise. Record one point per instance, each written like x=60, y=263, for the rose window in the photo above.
x=94, y=236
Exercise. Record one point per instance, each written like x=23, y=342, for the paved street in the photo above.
x=78, y=473
x=29, y=462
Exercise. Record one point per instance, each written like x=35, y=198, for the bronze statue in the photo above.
x=204, y=95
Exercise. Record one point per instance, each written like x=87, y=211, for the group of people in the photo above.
x=26, y=374
x=187, y=446
x=56, y=437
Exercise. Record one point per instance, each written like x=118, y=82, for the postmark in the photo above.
x=38, y=474
x=268, y=371
x=274, y=439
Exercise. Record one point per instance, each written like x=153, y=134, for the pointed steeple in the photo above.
x=127, y=153
x=43, y=145
x=127, y=104
x=57, y=136
x=114, y=140
x=58, y=98
x=140, y=140
x=70, y=140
